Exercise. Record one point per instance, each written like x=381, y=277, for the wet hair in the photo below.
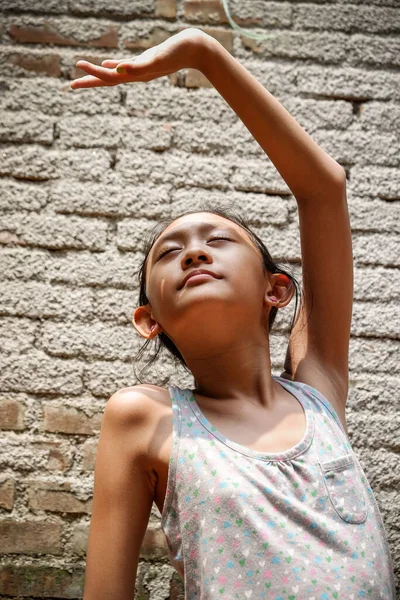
x=232, y=213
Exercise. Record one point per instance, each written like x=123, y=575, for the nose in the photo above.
x=196, y=253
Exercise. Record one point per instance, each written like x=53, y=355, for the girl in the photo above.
x=259, y=490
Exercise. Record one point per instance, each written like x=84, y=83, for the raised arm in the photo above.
x=318, y=346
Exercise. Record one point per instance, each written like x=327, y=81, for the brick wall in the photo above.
x=85, y=173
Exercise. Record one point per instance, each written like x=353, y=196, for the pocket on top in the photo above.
x=345, y=489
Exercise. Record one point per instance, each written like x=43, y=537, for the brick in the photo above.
x=384, y=116
x=382, y=468
x=58, y=458
x=366, y=18
x=82, y=268
x=30, y=537
x=210, y=11
x=42, y=497
x=41, y=6
x=383, y=182
x=257, y=208
x=41, y=94
x=371, y=284
x=42, y=581
x=48, y=33
x=348, y=83
x=379, y=432
x=112, y=199
x=11, y=415
x=114, y=132
x=38, y=300
x=119, y=8
x=96, y=340
x=376, y=320
x=373, y=215
x=257, y=175
x=154, y=544
x=79, y=538
x=21, y=196
x=376, y=52
x=49, y=231
x=17, y=335
x=166, y=9
x=373, y=356
x=357, y=145
x=89, y=451
x=7, y=492
x=103, y=378
x=370, y=393
x=26, y=127
x=37, y=164
x=52, y=375
x=47, y=64
x=155, y=36
x=179, y=169
x=376, y=249
x=63, y=419
x=323, y=47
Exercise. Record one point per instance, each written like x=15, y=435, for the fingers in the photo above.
x=108, y=75
x=111, y=63
x=88, y=82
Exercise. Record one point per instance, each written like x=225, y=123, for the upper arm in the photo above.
x=122, y=501
x=318, y=347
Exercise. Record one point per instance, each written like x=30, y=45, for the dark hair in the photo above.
x=162, y=340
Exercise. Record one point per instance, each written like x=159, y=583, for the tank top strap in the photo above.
x=314, y=394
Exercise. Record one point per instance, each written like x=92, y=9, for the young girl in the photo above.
x=259, y=490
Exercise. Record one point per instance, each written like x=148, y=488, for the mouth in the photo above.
x=198, y=275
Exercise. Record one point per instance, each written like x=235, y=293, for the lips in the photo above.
x=198, y=272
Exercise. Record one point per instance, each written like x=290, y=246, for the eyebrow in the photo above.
x=180, y=232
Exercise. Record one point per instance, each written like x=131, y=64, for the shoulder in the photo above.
x=136, y=411
x=328, y=383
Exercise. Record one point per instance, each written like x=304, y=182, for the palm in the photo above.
x=175, y=53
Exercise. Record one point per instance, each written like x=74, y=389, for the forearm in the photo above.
x=306, y=168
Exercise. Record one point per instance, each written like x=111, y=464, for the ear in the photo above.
x=279, y=291
x=144, y=323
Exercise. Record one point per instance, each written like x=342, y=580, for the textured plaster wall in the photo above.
x=85, y=173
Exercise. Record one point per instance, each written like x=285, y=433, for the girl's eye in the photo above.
x=219, y=237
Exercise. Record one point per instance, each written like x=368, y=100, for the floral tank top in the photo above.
x=302, y=524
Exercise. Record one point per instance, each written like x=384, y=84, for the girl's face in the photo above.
x=235, y=297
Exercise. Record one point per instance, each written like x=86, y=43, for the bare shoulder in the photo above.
x=140, y=411
x=333, y=387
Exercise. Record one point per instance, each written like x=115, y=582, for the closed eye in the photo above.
x=219, y=237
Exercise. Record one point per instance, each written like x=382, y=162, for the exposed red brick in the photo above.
x=70, y=420
x=7, y=489
x=208, y=11
x=30, y=537
x=58, y=502
x=49, y=64
x=11, y=415
x=166, y=9
x=41, y=582
x=49, y=35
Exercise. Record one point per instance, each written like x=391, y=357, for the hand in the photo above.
x=177, y=52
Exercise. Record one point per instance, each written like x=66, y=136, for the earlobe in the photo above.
x=144, y=323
